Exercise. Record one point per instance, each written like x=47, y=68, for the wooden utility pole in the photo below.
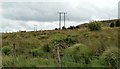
x=60, y=13
x=60, y=20
x=64, y=17
x=34, y=27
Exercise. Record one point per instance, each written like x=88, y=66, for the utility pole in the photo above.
x=34, y=27
x=64, y=18
x=60, y=13
x=60, y=20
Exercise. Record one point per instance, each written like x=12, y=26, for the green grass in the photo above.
x=79, y=48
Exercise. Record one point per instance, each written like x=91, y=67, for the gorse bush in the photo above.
x=46, y=48
x=117, y=23
x=111, y=57
x=37, y=52
x=71, y=27
x=63, y=27
x=40, y=53
x=63, y=40
x=6, y=50
x=80, y=53
x=94, y=26
x=112, y=25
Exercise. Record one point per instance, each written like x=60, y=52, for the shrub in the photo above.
x=46, y=48
x=71, y=27
x=117, y=23
x=80, y=52
x=77, y=27
x=63, y=27
x=94, y=26
x=63, y=40
x=112, y=25
x=56, y=29
x=37, y=52
x=111, y=57
x=6, y=50
x=40, y=53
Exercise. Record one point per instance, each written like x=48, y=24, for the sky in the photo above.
x=23, y=15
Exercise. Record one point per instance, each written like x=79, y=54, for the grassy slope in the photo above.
x=94, y=43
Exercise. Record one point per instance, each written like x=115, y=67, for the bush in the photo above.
x=63, y=40
x=77, y=27
x=80, y=52
x=46, y=48
x=37, y=52
x=112, y=25
x=94, y=26
x=117, y=23
x=71, y=27
x=6, y=50
x=111, y=57
x=40, y=53
x=63, y=27
x=56, y=29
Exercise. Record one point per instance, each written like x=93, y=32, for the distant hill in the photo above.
x=103, y=21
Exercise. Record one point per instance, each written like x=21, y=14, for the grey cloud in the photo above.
x=46, y=11
x=32, y=11
x=17, y=14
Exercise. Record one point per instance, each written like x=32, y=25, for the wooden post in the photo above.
x=57, y=56
x=14, y=50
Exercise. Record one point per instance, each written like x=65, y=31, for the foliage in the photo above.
x=46, y=48
x=111, y=57
x=80, y=53
x=56, y=29
x=117, y=23
x=71, y=27
x=79, y=48
x=94, y=26
x=63, y=27
x=112, y=25
x=6, y=50
x=63, y=40
x=37, y=52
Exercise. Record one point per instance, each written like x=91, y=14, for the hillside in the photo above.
x=77, y=48
x=104, y=22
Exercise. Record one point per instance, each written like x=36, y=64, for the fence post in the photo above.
x=57, y=56
x=14, y=50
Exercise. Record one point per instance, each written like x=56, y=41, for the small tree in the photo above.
x=6, y=50
x=63, y=27
x=56, y=28
x=117, y=23
x=71, y=27
x=94, y=26
x=112, y=25
x=77, y=27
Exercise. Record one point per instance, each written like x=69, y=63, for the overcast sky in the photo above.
x=24, y=15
